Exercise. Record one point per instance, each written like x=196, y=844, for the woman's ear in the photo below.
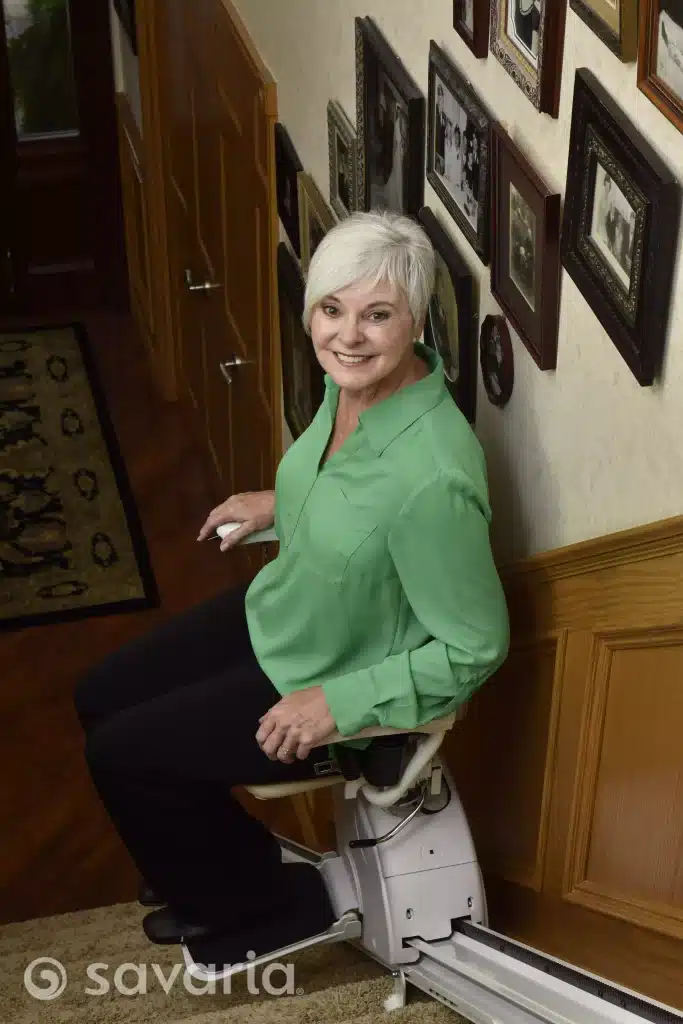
x=420, y=329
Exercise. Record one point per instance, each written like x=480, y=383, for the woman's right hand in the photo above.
x=255, y=510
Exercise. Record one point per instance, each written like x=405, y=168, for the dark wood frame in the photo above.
x=624, y=43
x=478, y=41
x=537, y=328
x=459, y=86
x=490, y=323
x=654, y=88
x=464, y=390
x=291, y=291
x=311, y=204
x=287, y=166
x=636, y=322
x=372, y=53
x=542, y=86
x=339, y=124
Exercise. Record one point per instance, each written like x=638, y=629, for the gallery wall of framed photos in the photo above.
x=583, y=447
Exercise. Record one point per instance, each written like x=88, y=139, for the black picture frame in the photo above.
x=342, y=146
x=476, y=34
x=624, y=275
x=454, y=288
x=381, y=80
x=125, y=9
x=447, y=81
x=303, y=378
x=287, y=168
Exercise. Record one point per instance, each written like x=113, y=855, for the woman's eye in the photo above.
x=330, y=310
x=379, y=315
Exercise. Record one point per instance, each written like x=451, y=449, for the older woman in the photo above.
x=383, y=607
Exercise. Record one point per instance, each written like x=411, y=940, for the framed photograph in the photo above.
x=660, y=60
x=525, y=262
x=527, y=37
x=450, y=327
x=287, y=169
x=343, y=152
x=471, y=22
x=303, y=379
x=390, y=122
x=620, y=230
x=458, y=150
x=496, y=359
x=613, y=21
x=315, y=218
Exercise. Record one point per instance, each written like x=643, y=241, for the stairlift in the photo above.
x=407, y=890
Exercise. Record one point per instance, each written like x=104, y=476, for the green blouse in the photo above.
x=384, y=589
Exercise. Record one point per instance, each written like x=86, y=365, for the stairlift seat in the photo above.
x=282, y=789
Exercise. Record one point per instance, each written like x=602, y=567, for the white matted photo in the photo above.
x=456, y=153
x=670, y=47
x=468, y=15
x=524, y=26
x=613, y=226
x=523, y=247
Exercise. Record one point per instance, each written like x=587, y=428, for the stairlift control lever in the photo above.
x=258, y=537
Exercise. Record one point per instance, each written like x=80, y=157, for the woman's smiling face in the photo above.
x=362, y=334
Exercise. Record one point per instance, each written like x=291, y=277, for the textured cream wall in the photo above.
x=578, y=452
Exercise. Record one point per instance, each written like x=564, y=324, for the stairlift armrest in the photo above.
x=442, y=724
x=258, y=537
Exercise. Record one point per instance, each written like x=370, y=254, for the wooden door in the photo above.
x=221, y=109
x=58, y=148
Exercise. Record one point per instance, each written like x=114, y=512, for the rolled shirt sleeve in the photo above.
x=440, y=547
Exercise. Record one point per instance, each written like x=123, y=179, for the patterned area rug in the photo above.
x=71, y=544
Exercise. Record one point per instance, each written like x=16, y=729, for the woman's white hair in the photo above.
x=374, y=247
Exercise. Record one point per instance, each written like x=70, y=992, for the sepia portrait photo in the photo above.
x=669, y=60
x=522, y=247
x=613, y=226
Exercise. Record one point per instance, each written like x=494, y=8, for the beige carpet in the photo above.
x=335, y=984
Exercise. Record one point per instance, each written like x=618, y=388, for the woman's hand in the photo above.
x=255, y=510
x=296, y=724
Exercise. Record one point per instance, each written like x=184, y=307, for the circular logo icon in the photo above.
x=52, y=977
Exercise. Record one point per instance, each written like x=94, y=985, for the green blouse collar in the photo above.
x=387, y=419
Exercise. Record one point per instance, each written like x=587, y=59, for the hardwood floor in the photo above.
x=59, y=851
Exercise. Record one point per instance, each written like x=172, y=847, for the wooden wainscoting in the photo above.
x=570, y=761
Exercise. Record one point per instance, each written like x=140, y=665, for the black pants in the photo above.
x=170, y=722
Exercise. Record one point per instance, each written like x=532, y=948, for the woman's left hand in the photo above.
x=296, y=724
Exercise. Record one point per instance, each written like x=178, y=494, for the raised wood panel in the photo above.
x=627, y=828
x=606, y=891
x=502, y=756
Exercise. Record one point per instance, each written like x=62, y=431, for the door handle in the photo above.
x=230, y=364
x=206, y=286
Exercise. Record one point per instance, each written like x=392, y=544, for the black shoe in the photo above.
x=308, y=913
x=147, y=897
x=164, y=928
